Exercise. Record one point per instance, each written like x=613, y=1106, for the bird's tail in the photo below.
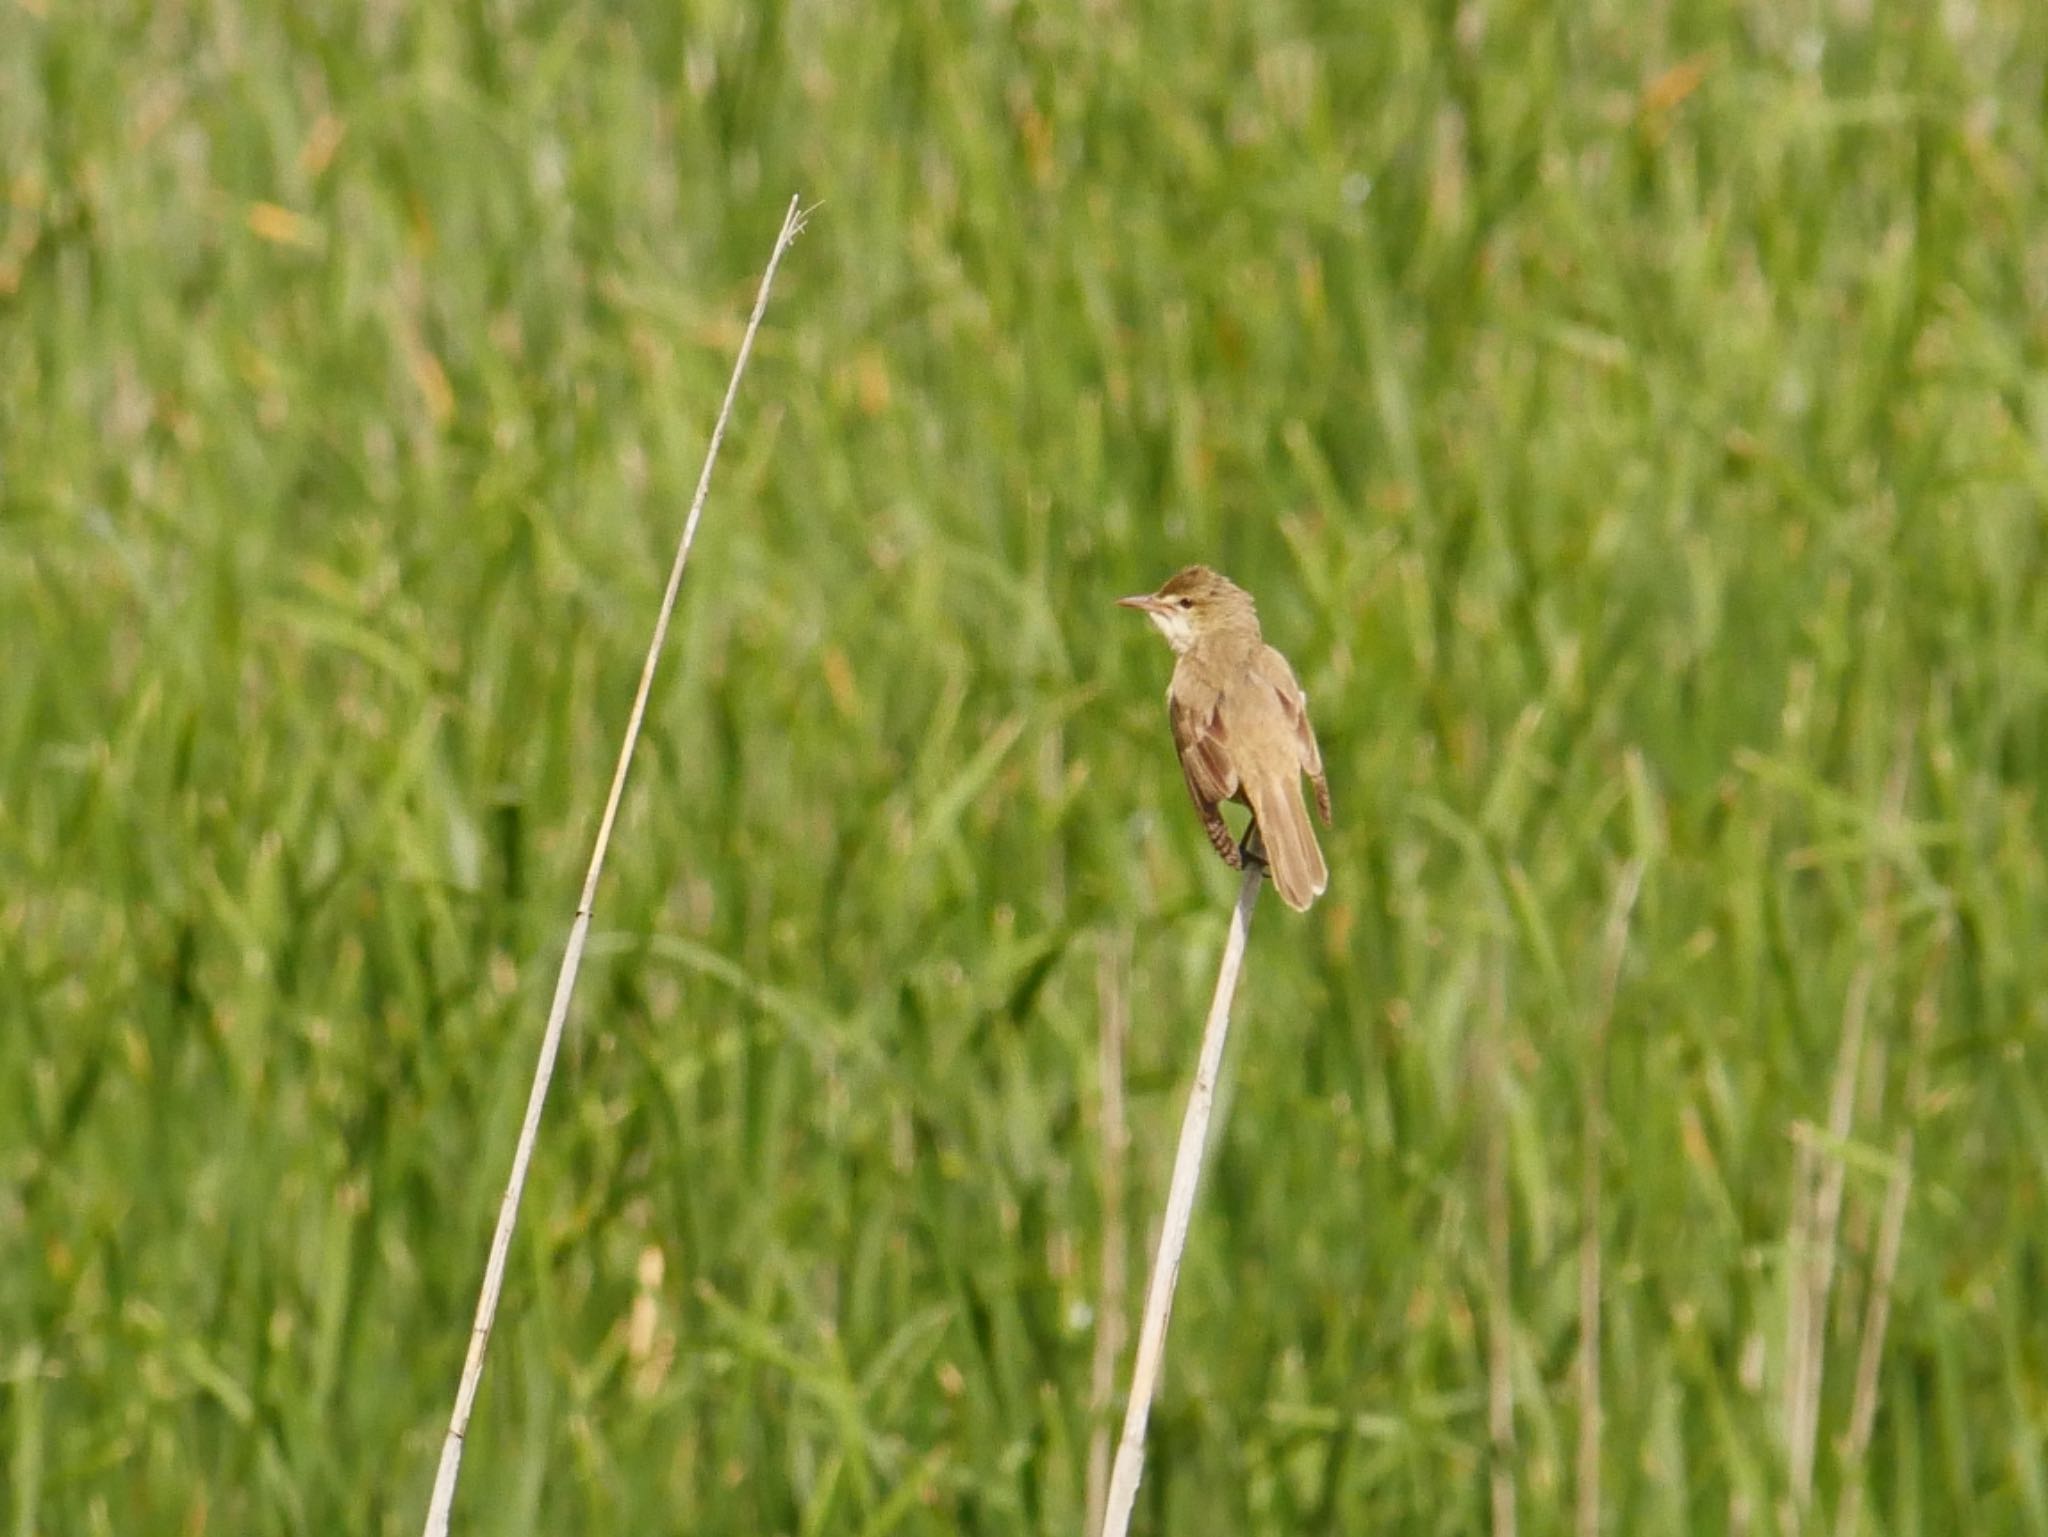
x=1286, y=841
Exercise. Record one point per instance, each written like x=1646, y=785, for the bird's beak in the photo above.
x=1144, y=602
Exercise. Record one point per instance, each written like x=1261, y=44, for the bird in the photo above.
x=1241, y=728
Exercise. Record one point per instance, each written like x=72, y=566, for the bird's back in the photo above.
x=1239, y=710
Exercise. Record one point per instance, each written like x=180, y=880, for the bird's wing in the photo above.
x=1273, y=670
x=1203, y=745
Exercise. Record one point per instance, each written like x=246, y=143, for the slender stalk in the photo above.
x=1500, y=1383
x=1870, y=1351
x=1114, y=1138
x=1613, y=948
x=1800, y=1329
x=1890, y=1239
x=1180, y=1206
x=1814, y=1269
x=579, y=931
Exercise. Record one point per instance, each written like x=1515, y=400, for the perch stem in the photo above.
x=1180, y=1207
x=443, y=1499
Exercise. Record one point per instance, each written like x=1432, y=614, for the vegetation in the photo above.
x=1632, y=419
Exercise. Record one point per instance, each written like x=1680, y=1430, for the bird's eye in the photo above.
x=1187, y=602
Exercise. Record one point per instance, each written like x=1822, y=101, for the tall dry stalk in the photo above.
x=1500, y=1382
x=1114, y=1138
x=1890, y=1239
x=1818, y=1207
x=1613, y=946
x=1813, y=1267
x=1180, y=1207
x=579, y=931
x=1801, y=1331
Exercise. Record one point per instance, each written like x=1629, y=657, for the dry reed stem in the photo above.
x=1890, y=1238
x=579, y=931
x=1500, y=1384
x=1870, y=1353
x=1817, y=1272
x=1798, y=1301
x=1180, y=1206
x=1613, y=946
x=1114, y=1139
x=1813, y=1265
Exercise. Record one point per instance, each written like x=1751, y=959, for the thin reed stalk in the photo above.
x=1114, y=1138
x=443, y=1498
x=1613, y=948
x=1180, y=1206
x=1890, y=1240
x=1815, y=1267
x=1801, y=1330
x=1813, y=1260
x=1500, y=1382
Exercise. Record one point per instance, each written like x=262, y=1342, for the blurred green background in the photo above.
x=1632, y=419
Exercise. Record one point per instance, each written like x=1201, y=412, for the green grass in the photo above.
x=1632, y=418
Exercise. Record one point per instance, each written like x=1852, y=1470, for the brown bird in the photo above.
x=1240, y=724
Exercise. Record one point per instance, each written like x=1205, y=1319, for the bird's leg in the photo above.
x=1252, y=848
x=1219, y=834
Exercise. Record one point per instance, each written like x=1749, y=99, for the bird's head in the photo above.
x=1197, y=603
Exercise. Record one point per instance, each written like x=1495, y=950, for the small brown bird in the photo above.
x=1240, y=724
